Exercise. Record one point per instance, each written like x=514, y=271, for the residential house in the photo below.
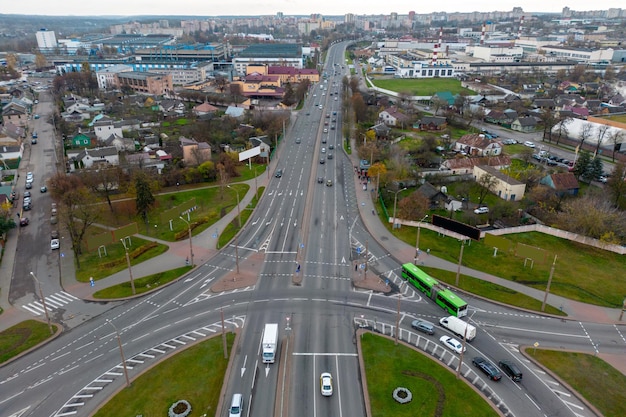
x=120, y=143
x=445, y=96
x=156, y=160
x=593, y=106
x=97, y=157
x=562, y=183
x=474, y=144
x=393, y=117
x=496, y=117
x=544, y=103
x=464, y=166
x=194, y=152
x=524, y=124
x=13, y=132
x=172, y=107
x=260, y=141
x=260, y=85
x=435, y=196
x=381, y=131
x=236, y=112
x=81, y=140
x=431, y=123
x=204, y=109
x=14, y=152
x=105, y=127
x=505, y=187
x=15, y=113
x=617, y=100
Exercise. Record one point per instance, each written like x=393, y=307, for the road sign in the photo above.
x=358, y=250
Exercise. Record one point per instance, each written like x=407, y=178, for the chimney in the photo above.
x=521, y=25
x=482, y=34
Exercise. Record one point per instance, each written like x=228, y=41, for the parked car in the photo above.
x=29, y=185
x=43, y=189
x=24, y=221
x=487, y=367
x=481, y=210
x=509, y=142
x=55, y=244
x=54, y=234
x=326, y=384
x=36, y=116
x=529, y=144
x=452, y=343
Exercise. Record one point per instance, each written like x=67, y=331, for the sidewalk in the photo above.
x=575, y=310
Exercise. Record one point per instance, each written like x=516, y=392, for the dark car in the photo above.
x=488, y=368
x=322, y=161
x=511, y=370
x=24, y=221
x=279, y=173
x=320, y=180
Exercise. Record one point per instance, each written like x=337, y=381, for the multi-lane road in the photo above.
x=307, y=233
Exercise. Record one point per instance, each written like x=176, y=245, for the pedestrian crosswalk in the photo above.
x=53, y=301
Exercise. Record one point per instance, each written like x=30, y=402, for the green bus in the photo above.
x=445, y=298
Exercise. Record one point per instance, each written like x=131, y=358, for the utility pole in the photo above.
x=365, y=269
x=458, y=370
x=119, y=344
x=545, y=296
x=458, y=270
x=43, y=302
x=130, y=271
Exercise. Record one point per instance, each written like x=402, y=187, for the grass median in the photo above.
x=597, y=381
x=435, y=389
x=195, y=375
x=21, y=337
x=143, y=284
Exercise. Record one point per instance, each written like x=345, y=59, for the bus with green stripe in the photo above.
x=445, y=298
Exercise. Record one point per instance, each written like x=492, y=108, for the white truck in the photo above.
x=270, y=342
x=459, y=327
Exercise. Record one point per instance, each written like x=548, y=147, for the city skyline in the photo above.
x=287, y=7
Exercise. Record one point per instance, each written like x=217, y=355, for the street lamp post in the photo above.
x=119, y=344
x=458, y=370
x=130, y=271
x=395, y=202
x=238, y=209
x=417, y=242
x=43, y=302
x=190, y=240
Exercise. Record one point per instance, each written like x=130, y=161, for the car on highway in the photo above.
x=487, y=367
x=329, y=183
x=325, y=130
x=423, y=326
x=279, y=173
x=55, y=244
x=298, y=140
x=320, y=180
x=452, y=343
x=326, y=384
x=331, y=146
x=529, y=144
x=481, y=210
x=322, y=161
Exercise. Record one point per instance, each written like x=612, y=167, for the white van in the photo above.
x=235, y=406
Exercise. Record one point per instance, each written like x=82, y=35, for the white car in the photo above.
x=326, y=384
x=452, y=344
x=481, y=210
x=54, y=244
x=529, y=144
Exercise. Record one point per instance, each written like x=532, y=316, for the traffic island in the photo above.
x=369, y=281
x=248, y=275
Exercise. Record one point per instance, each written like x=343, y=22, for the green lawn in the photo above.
x=142, y=285
x=421, y=87
x=92, y=265
x=436, y=391
x=597, y=381
x=196, y=375
x=582, y=273
x=212, y=203
x=22, y=337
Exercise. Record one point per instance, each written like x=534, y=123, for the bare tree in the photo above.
x=484, y=185
x=602, y=130
x=413, y=207
x=562, y=129
x=586, y=132
x=616, y=136
x=103, y=182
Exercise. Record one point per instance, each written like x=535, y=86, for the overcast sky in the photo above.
x=288, y=7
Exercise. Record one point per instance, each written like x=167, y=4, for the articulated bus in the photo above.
x=445, y=298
